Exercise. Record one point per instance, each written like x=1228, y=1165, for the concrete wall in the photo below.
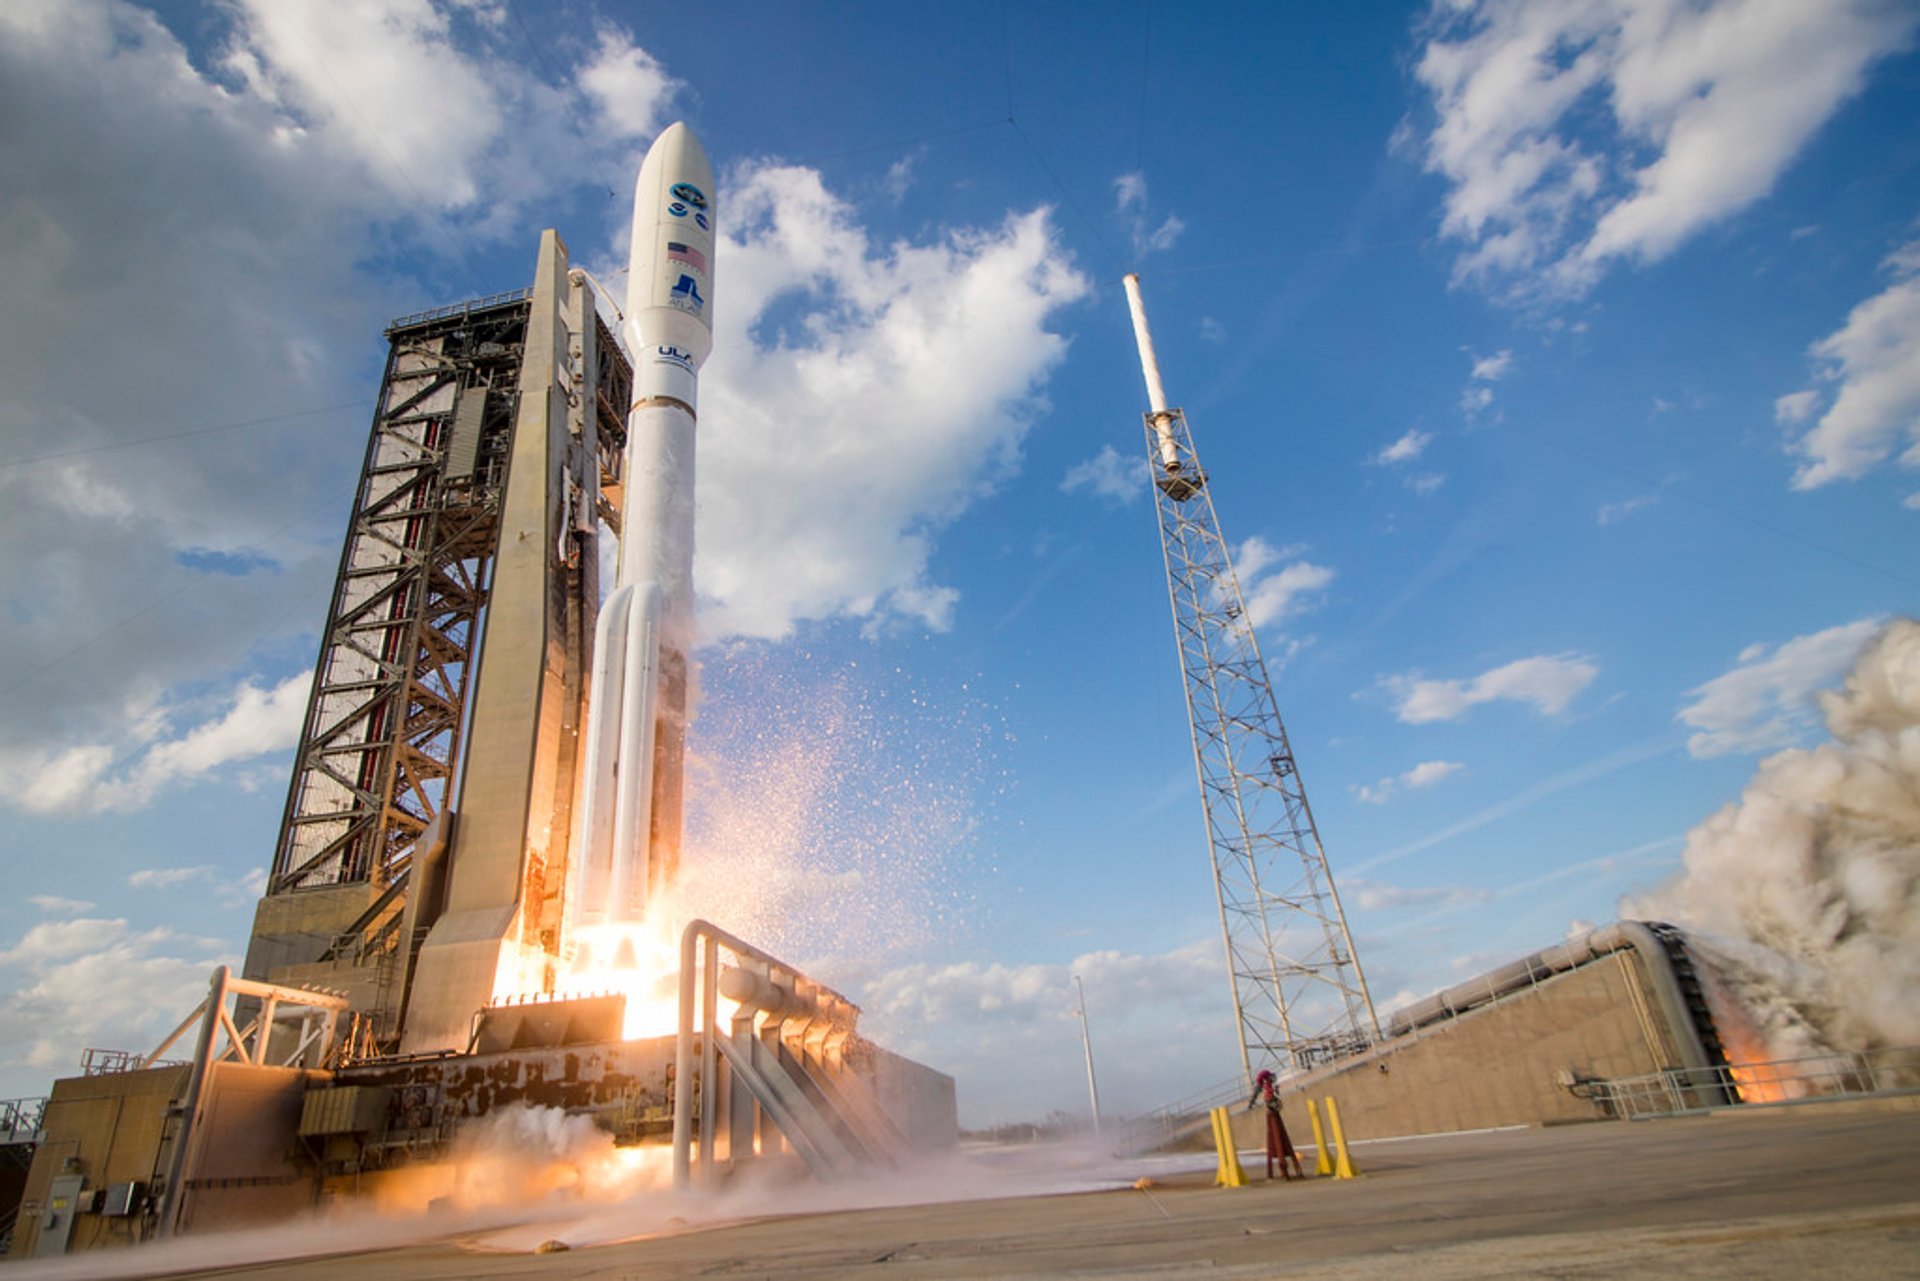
x=917, y=1099
x=107, y=1128
x=1497, y=1065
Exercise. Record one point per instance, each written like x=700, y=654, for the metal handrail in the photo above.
x=460, y=308
x=1885, y=1071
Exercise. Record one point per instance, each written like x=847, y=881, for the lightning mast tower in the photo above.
x=1299, y=996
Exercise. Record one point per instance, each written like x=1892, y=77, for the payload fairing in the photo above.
x=630, y=816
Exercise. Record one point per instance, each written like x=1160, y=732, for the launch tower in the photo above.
x=430, y=809
x=1299, y=996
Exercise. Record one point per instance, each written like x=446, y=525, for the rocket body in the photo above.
x=630, y=816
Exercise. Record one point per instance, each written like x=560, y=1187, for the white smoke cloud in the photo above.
x=859, y=398
x=1808, y=887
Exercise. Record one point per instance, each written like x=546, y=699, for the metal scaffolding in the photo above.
x=383, y=723
x=385, y=737
x=1299, y=996
x=1298, y=991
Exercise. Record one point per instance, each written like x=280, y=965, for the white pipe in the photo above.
x=1086, y=1042
x=1150, y=366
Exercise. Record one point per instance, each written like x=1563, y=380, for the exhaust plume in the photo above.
x=1805, y=894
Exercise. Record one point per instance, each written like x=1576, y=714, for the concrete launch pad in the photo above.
x=1827, y=1189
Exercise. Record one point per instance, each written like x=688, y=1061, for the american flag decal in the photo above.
x=687, y=254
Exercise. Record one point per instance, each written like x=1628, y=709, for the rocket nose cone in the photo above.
x=677, y=150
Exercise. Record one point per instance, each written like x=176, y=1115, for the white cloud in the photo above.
x=1405, y=449
x=153, y=195
x=255, y=721
x=1375, y=896
x=96, y=983
x=1547, y=683
x=891, y=393
x=628, y=85
x=1007, y=1032
x=1796, y=406
x=1130, y=201
x=1108, y=475
x=1767, y=699
x=1492, y=368
x=1573, y=135
x=54, y=905
x=379, y=80
x=1614, y=513
x=166, y=877
x=1475, y=400
x=1425, y=774
x=1873, y=362
x=1426, y=482
x=1271, y=597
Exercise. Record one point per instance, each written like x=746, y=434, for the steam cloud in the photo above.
x=1807, y=890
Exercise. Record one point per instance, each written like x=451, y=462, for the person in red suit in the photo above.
x=1279, y=1144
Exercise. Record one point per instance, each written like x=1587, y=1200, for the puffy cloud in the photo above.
x=1573, y=134
x=95, y=982
x=256, y=721
x=858, y=399
x=1130, y=202
x=628, y=85
x=1108, y=475
x=1767, y=700
x=1425, y=774
x=1873, y=365
x=154, y=192
x=1548, y=683
x=1007, y=1031
x=377, y=80
x=1274, y=594
x=1405, y=449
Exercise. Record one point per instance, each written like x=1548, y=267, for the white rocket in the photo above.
x=629, y=836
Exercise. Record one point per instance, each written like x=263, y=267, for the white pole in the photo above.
x=1150, y=366
x=1086, y=1042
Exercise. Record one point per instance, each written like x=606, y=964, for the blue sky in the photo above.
x=1557, y=367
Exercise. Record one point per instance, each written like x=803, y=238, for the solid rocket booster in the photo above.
x=637, y=719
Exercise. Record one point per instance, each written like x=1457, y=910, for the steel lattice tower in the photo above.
x=1299, y=995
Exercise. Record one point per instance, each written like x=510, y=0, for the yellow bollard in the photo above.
x=1322, y=1164
x=1342, y=1165
x=1230, y=1175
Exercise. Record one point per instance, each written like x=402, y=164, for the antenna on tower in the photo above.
x=1299, y=995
